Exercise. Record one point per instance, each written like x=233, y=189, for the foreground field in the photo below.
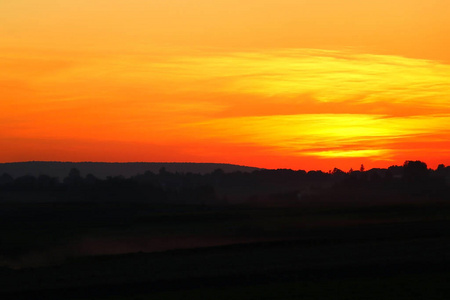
x=148, y=252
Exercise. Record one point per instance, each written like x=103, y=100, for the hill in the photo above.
x=103, y=169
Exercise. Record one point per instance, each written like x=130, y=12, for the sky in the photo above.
x=297, y=84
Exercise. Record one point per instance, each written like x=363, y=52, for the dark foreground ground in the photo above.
x=118, y=251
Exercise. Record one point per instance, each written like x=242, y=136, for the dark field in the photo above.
x=144, y=251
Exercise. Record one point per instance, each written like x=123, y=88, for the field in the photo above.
x=142, y=251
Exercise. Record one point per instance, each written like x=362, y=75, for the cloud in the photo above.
x=329, y=76
x=278, y=78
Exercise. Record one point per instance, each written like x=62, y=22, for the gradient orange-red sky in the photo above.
x=277, y=84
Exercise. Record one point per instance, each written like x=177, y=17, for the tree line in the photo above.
x=413, y=179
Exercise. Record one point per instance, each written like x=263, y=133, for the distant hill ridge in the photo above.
x=105, y=169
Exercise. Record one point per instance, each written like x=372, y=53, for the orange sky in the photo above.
x=278, y=84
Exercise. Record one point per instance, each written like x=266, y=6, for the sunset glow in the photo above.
x=275, y=84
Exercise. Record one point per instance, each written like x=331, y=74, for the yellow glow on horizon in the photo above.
x=374, y=153
x=325, y=135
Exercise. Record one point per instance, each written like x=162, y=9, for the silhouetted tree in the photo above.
x=25, y=183
x=441, y=170
x=388, y=176
x=74, y=178
x=46, y=182
x=337, y=171
x=6, y=179
x=162, y=171
x=415, y=171
x=90, y=179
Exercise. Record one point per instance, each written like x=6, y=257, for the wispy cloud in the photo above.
x=284, y=76
x=329, y=76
